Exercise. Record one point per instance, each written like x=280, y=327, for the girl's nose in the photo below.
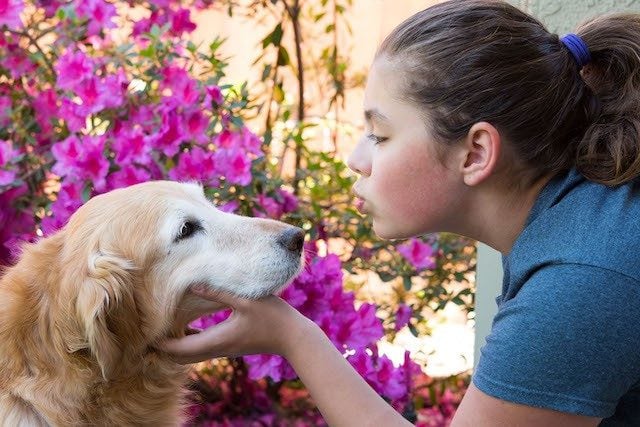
x=360, y=159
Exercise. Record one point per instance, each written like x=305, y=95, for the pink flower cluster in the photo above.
x=418, y=253
x=318, y=294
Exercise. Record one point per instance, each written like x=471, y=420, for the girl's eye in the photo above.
x=377, y=139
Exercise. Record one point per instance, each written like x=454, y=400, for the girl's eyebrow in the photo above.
x=376, y=116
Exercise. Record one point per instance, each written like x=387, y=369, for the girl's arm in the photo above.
x=272, y=326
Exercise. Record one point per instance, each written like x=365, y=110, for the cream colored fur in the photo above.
x=81, y=309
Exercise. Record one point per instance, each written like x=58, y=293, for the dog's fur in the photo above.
x=80, y=311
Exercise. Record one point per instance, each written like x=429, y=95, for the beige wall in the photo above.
x=371, y=20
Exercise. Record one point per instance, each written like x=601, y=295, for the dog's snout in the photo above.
x=292, y=239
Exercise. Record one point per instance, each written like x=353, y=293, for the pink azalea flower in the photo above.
x=96, y=95
x=67, y=154
x=196, y=125
x=10, y=11
x=128, y=175
x=68, y=200
x=195, y=165
x=82, y=160
x=5, y=110
x=418, y=254
x=403, y=315
x=182, y=86
x=225, y=139
x=230, y=207
x=46, y=107
x=72, y=68
x=94, y=166
x=181, y=22
x=170, y=135
x=131, y=146
x=15, y=223
x=267, y=365
x=7, y=177
x=250, y=142
x=17, y=61
x=50, y=6
x=215, y=93
x=210, y=319
x=235, y=166
x=114, y=89
x=289, y=201
x=99, y=14
x=7, y=152
x=269, y=205
x=73, y=115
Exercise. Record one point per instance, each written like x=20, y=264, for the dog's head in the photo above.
x=128, y=259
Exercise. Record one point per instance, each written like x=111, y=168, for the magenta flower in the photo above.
x=99, y=14
x=5, y=110
x=50, y=6
x=403, y=315
x=269, y=206
x=196, y=125
x=181, y=22
x=170, y=135
x=196, y=165
x=289, y=201
x=250, y=142
x=183, y=88
x=67, y=154
x=267, y=365
x=84, y=160
x=46, y=108
x=68, y=200
x=7, y=177
x=128, y=175
x=234, y=165
x=10, y=11
x=16, y=223
x=418, y=254
x=380, y=373
x=131, y=146
x=72, y=68
x=73, y=115
x=225, y=139
x=93, y=94
x=7, y=153
x=215, y=94
x=17, y=61
x=230, y=207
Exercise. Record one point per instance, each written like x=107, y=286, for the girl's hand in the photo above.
x=268, y=325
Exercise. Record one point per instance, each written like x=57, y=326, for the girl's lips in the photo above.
x=359, y=204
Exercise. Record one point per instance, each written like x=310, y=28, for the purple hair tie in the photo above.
x=578, y=49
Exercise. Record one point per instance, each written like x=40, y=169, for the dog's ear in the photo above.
x=106, y=307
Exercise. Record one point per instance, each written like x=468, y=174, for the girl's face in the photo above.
x=403, y=184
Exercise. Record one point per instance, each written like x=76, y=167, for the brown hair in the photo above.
x=484, y=60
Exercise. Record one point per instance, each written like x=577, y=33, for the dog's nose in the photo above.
x=292, y=239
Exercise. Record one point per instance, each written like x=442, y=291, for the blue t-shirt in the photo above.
x=567, y=332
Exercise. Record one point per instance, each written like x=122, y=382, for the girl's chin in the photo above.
x=390, y=230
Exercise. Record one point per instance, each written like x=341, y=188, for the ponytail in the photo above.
x=609, y=151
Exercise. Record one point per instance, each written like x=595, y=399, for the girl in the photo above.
x=482, y=123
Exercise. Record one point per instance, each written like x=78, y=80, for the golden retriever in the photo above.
x=81, y=309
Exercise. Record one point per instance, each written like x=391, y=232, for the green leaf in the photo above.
x=283, y=57
x=406, y=282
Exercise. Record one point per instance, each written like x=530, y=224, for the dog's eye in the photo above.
x=188, y=229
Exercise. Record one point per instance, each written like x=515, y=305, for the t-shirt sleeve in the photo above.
x=568, y=341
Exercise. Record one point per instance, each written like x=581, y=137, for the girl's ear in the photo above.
x=482, y=150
